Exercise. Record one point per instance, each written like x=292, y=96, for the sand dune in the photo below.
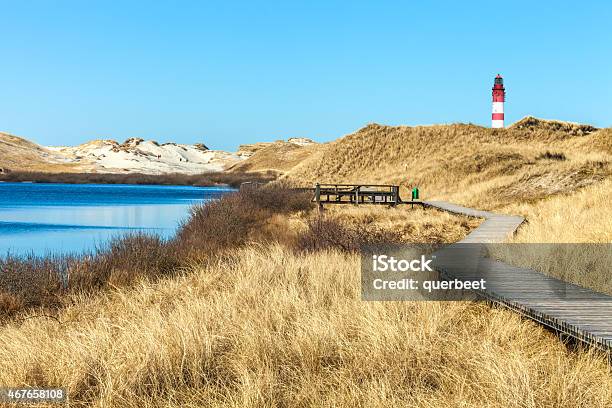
x=135, y=155
x=148, y=156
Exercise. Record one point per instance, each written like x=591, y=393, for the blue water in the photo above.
x=43, y=219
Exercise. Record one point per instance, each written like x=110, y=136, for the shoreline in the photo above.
x=210, y=179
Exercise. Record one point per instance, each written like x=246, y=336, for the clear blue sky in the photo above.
x=226, y=73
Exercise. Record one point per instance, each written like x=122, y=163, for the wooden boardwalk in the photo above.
x=566, y=308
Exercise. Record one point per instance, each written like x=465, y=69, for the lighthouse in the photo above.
x=499, y=95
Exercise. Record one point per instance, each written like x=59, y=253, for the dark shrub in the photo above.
x=551, y=156
x=227, y=222
x=324, y=233
x=32, y=282
x=40, y=281
x=125, y=260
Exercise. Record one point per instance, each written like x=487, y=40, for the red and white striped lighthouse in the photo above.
x=499, y=95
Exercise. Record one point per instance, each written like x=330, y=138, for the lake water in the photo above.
x=43, y=219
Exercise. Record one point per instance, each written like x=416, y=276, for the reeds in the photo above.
x=265, y=326
x=233, y=179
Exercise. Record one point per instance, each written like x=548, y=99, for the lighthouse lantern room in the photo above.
x=499, y=96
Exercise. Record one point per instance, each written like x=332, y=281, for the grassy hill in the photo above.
x=279, y=157
x=19, y=153
x=467, y=164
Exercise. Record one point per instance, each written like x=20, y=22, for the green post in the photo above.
x=415, y=193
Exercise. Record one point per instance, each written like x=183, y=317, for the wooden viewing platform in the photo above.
x=380, y=194
x=578, y=312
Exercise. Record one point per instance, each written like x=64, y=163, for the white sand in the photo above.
x=147, y=157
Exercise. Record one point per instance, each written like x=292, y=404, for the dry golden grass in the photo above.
x=405, y=225
x=267, y=327
x=412, y=224
x=582, y=217
x=279, y=156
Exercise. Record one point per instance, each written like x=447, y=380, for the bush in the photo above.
x=227, y=222
x=552, y=156
x=32, y=282
x=41, y=281
x=125, y=260
x=325, y=233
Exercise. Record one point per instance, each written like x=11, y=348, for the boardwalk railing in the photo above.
x=359, y=194
x=250, y=185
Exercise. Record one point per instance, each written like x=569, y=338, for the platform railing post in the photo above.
x=394, y=190
x=318, y=196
